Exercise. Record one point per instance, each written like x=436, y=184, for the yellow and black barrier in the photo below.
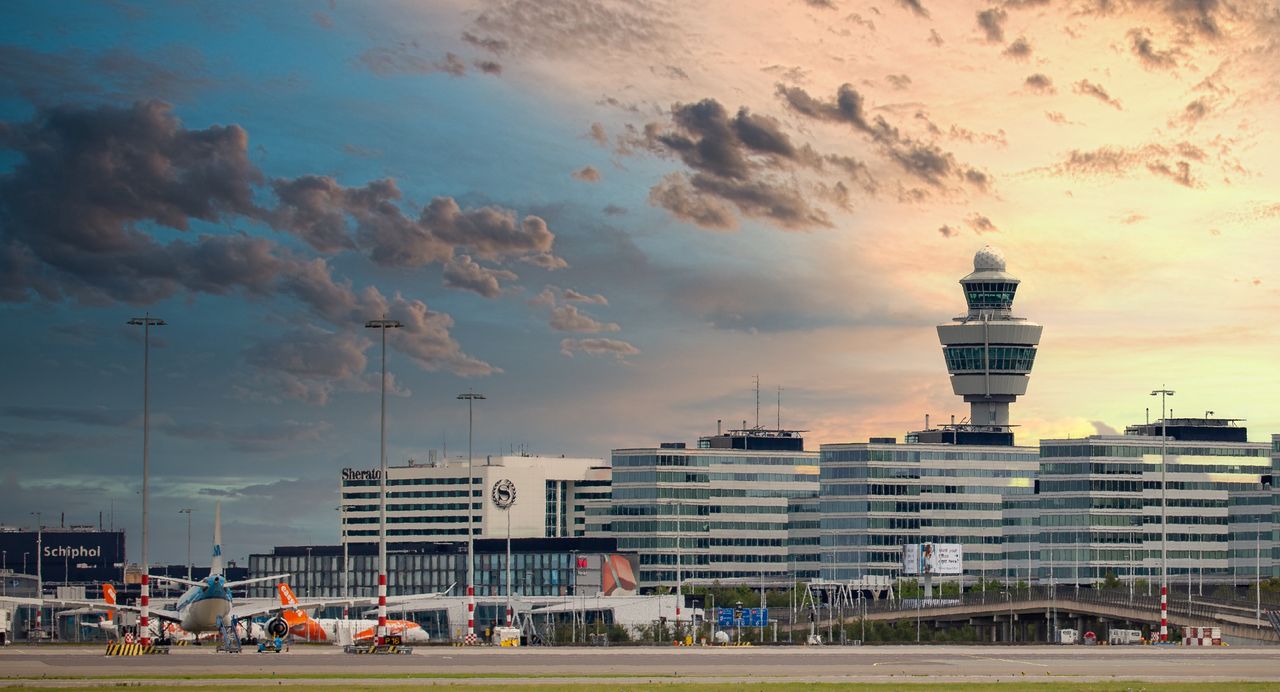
x=371, y=649
x=123, y=649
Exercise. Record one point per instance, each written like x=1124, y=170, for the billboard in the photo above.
x=619, y=574
x=66, y=555
x=932, y=558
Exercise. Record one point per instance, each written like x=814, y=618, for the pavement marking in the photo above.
x=1009, y=660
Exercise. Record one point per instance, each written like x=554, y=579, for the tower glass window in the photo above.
x=990, y=294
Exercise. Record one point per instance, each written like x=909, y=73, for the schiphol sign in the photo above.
x=361, y=474
x=72, y=552
x=933, y=558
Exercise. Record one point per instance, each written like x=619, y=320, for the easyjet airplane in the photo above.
x=311, y=629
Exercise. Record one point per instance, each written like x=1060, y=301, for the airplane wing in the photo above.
x=251, y=610
x=97, y=606
x=154, y=612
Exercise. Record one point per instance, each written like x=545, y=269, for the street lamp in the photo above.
x=342, y=520
x=146, y=322
x=1164, y=537
x=470, y=398
x=187, y=511
x=383, y=325
x=39, y=570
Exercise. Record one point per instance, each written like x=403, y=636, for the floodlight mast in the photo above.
x=1164, y=536
x=383, y=325
x=470, y=398
x=144, y=619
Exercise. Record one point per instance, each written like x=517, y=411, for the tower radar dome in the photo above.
x=988, y=259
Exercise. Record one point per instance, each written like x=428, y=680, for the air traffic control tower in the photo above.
x=989, y=352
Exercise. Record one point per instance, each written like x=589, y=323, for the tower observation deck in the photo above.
x=988, y=351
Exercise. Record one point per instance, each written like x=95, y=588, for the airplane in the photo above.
x=307, y=628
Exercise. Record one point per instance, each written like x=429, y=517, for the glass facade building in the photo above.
x=877, y=496
x=1100, y=508
x=727, y=513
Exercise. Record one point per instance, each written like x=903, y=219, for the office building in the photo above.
x=427, y=503
x=877, y=496
x=1100, y=504
x=723, y=509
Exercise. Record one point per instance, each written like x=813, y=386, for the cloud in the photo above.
x=493, y=45
x=1056, y=117
x=488, y=66
x=1088, y=88
x=1142, y=46
x=1131, y=219
x=1103, y=429
x=916, y=8
x=261, y=437
x=899, y=81
x=980, y=224
x=614, y=210
x=1020, y=49
x=407, y=58
x=587, y=174
x=935, y=38
x=306, y=364
x=598, y=347
x=948, y=231
x=568, y=318
x=463, y=272
x=122, y=171
x=566, y=27
x=922, y=160
x=1039, y=83
x=114, y=75
x=597, y=134
x=573, y=296
x=1194, y=112
x=1173, y=162
x=991, y=21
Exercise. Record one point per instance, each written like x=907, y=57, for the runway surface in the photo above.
x=747, y=664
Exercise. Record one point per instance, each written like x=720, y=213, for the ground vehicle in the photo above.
x=1118, y=637
x=1068, y=636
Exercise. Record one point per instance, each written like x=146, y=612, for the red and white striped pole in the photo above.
x=1164, y=613
x=144, y=622
x=382, y=608
x=471, y=611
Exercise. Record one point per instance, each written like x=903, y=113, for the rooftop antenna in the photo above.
x=1208, y=414
x=718, y=421
x=757, y=402
x=779, y=407
x=926, y=421
x=1148, y=415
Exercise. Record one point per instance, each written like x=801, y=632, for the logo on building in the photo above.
x=361, y=474
x=72, y=552
x=504, y=493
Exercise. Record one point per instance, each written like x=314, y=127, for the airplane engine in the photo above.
x=277, y=627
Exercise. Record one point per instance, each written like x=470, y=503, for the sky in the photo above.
x=607, y=218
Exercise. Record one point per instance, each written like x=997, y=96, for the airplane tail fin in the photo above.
x=215, y=564
x=109, y=594
x=286, y=595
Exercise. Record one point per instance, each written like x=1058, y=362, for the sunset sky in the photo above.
x=607, y=218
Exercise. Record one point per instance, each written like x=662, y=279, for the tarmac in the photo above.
x=86, y=665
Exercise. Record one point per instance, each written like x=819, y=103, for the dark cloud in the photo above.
x=1040, y=83
x=598, y=347
x=991, y=21
x=464, y=273
x=1103, y=429
x=922, y=160
x=935, y=38
x=1195, y=111
x=493, y=45
x=77, y=76
x=899, y=81
x=1142, y=46
x=1173, y=162
x=88, y=183
x=1020, y=49
x=670, y=72
x=587, y=174
x=408, y=58
x=700, y=199
x=915, y=7
x=948, y=231
x=980, y=224
x=614, y=210
x=1097, y=91
x=488, y=66
x=707, y=139
x=821, y=4
x=1197, y=16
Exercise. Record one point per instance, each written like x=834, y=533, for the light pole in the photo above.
x=1164, y=536
x=144, y=619
x=342, y=520
x=383, y=325
x=470, y=398
x=39, y=571
x=187, y=511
